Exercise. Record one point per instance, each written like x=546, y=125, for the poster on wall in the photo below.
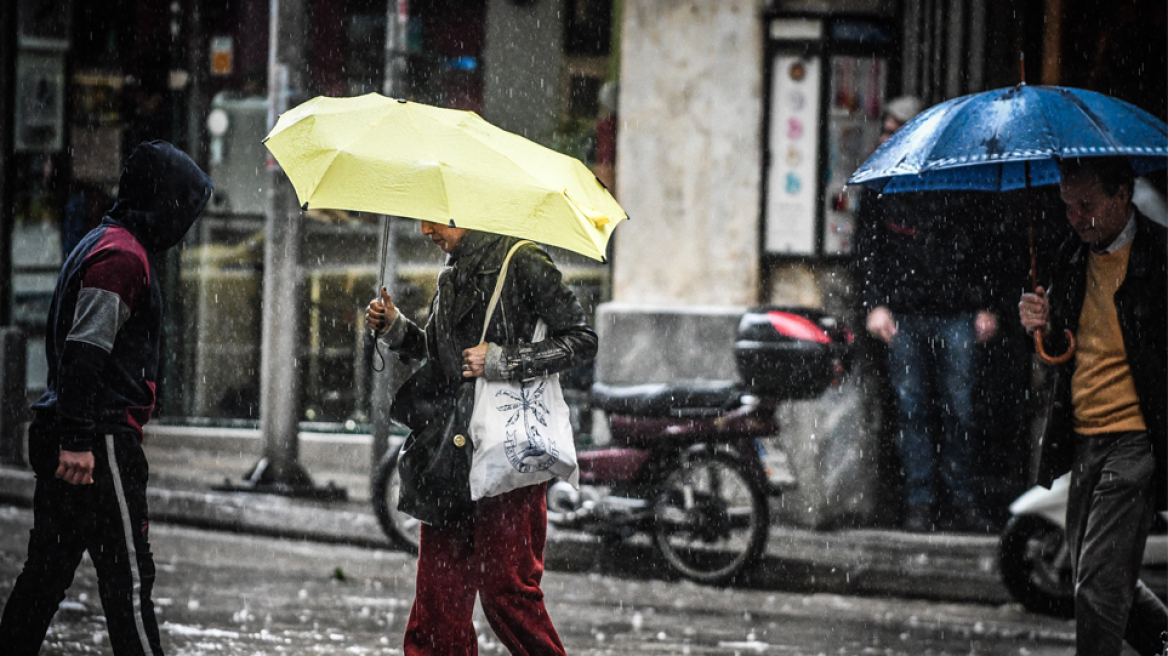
x=794, y=156
x=40, y=101
x=855, y=103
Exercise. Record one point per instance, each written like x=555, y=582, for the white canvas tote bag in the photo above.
x=521, y=431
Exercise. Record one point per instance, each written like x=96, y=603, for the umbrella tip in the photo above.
x=304, y=207
x=452, y=224
x=402, y=100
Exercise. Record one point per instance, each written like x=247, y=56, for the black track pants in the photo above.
x=109, y=520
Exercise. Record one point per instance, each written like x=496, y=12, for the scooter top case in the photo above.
x=791, y=352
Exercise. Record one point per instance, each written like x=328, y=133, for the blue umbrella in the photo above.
x=1009, y=139
x=986, y=141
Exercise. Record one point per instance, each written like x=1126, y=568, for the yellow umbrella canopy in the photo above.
x=376, y=154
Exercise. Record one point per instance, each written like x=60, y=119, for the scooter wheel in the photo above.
x=1036, y=565
x=711, y=518
x=401, y=529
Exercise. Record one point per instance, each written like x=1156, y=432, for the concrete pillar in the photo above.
x=280, y=367
x=688, y=262
x=689, y=139
x=280, y=471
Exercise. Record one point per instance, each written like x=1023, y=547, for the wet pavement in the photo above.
x=245, y=595
x=943, y=566
x=254, y=573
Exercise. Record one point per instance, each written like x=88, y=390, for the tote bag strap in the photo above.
x=499, y=287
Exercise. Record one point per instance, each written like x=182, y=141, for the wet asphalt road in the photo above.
x=235, y=595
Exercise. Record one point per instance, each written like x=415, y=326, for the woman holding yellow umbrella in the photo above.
x=480, y=193
x=495, y=548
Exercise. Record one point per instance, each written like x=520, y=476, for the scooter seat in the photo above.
x=691, y=399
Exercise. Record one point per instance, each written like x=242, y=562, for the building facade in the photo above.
x=739, y=122
x=85, y=82
x=736, y=123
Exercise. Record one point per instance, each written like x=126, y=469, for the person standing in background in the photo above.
x=922, y=272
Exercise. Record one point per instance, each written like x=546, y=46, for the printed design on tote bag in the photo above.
x=526, y=448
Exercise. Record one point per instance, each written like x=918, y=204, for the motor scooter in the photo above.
x=685, y=462
x=1035, y=560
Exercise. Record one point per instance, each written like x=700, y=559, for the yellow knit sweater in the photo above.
x=1102, y=388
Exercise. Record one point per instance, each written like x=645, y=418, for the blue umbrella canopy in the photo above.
x=983, y=142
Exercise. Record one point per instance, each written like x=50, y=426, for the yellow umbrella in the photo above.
x=376, y=154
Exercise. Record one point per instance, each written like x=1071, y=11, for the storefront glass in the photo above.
x=88, y=119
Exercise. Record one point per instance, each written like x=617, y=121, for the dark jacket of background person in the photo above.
x=927, y=253
x=104, y=381
x=1141, y=304
x=534, y=290
x=85, y=442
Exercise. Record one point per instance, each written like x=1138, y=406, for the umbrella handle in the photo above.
x=1054, y=359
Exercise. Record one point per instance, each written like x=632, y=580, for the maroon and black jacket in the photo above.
x=106, y=314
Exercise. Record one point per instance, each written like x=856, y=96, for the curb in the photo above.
x=937, y=566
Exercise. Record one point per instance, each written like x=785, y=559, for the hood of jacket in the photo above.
x=160, y=194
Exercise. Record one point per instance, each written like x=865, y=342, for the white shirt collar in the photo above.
x=1124, y=238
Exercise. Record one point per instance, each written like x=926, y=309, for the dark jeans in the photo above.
x=108, y=519
x=931, y=367
x=1109, y=513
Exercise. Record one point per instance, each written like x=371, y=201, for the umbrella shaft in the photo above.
x=1033, y=249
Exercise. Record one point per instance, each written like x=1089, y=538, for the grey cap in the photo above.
x=903, y=108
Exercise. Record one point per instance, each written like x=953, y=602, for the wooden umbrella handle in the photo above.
x=1054, y=359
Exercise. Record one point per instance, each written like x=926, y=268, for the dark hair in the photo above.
x=1113, y=173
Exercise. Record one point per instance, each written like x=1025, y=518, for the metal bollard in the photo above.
x=13, y=394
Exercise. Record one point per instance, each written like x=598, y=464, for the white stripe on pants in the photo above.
x=135, y=576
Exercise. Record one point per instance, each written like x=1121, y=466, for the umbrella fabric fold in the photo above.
x=376, y=154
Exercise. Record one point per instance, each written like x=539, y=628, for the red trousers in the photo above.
x=497, y=553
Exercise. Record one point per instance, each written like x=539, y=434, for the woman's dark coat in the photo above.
x=534, y=289
x=437, y=401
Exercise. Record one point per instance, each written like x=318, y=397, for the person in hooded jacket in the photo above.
x=85, y=440
x=496, y=549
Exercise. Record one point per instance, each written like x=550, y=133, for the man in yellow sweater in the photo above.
x=1106, y=419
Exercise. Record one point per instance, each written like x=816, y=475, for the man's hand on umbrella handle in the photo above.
x=882, y=324
x=75, y=467
x=1034, y=310
x=380, y=313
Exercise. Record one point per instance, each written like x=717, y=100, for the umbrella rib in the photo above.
x=942, y=135
x=335, y=152
x=519, y=166
x=441, y=164
x=1100, y=128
